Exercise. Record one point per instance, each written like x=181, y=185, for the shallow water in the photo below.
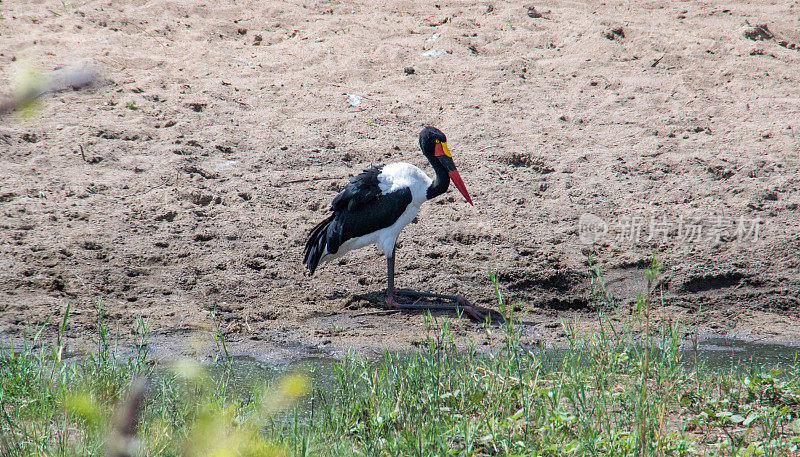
x=244, y=374
x=719, y=354
x=730, y=354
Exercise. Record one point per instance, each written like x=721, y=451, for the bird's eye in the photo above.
x=438, y=141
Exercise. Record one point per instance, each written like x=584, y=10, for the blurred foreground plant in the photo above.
x=51, y=405
x=206, y=424
x=216, y=430
x=27, y=85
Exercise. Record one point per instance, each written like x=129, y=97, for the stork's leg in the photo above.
x=391, y=300
x=461, y=303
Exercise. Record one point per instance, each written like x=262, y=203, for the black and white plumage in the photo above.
x=372, y=209
x=375, y=206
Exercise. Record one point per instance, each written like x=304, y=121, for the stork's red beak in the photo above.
x=456, y=178
x=442, y=152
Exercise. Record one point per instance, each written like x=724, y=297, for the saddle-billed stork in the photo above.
x=375, y=206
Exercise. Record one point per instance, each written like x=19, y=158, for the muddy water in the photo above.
x=719, y=354
x=730, y=354
x=245, y=371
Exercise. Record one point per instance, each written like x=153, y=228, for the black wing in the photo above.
x=361, y=189
x=361, y=208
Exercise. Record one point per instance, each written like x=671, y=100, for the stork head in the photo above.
x=434, y=145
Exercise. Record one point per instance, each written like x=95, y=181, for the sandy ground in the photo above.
x=187, y=178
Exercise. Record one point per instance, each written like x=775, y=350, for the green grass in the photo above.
x=611, y=393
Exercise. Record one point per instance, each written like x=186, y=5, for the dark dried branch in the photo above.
x=126, y=421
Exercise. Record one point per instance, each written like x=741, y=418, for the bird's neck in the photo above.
x=442, y=181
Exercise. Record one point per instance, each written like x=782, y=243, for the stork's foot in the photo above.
x=461, y=304
x=391, y=301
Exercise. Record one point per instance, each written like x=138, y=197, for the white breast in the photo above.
x=396, y=176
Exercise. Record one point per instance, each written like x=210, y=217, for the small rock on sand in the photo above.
x=759, y=33
x=532, y=12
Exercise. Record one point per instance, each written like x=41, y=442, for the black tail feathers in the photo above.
x=315, y=245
